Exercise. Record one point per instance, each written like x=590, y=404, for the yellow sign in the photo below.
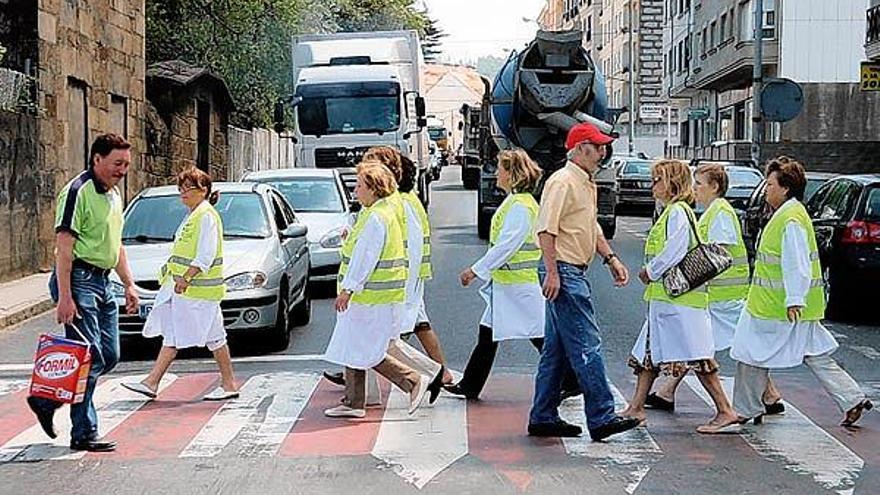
x=870, y=76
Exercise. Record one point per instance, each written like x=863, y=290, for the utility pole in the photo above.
x=758, y=83
x=632, y=86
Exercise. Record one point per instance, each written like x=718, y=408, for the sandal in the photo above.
x=776, y=408
x=654, y=401
x=855, y=414
x=718, y=428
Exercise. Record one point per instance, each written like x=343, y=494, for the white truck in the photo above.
x=353, y=91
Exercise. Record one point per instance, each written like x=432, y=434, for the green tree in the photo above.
x=432, y=38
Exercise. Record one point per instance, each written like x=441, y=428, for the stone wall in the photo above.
x=21, y=196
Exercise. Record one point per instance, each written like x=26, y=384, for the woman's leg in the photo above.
x=772, y=395
x=725, y=414
x=163, y=362
x=479, y=365
x=224, y=362
x=636, y=407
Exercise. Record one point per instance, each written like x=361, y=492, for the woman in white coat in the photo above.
x=514, y=302
x=370, y=304
x=677, y=335
x=727, y=293
x=187, y=309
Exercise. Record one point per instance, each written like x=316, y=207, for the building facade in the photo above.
x=709, y=65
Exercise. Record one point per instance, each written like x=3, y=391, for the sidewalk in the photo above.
x=23, y=298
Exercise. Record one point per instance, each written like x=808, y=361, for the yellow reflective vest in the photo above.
x=208, y=285
x=731, y=284
x=654, y=245
x=522, y=267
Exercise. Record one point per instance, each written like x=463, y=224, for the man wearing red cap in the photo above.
x=569, y=234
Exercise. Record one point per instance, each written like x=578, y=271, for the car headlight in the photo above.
x=334, y=238
x=248, y=280
x=117, y=289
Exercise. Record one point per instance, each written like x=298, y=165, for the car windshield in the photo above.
x=872, y=205
x=348, y=108
x=311, y=194
x=156, y=219
x=744, y=178
x=637, y=168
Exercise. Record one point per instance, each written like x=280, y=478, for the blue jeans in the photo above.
x=99, y=322
x=571, y=333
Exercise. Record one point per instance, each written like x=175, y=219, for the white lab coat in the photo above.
x=724, y=314
x=678, y=333
x=512, y=311
x=415, y=286
x=363, y=332
x=782, y=344
x=182, y=321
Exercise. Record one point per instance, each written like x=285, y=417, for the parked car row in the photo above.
x=283, y=231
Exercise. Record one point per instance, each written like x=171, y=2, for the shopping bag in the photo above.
x=61, y=368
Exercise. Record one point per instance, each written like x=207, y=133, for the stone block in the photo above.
x=47, y=25
x=68, y=14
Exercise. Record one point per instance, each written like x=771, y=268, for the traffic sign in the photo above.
x=651, y=112
x=698, y=113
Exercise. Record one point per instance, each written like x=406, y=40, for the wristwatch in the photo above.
x=607, y=259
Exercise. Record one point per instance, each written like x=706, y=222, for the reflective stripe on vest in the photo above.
x=386, y=284
x=654, y=245
x=425, y=270
x=522, y=267
x=731, y=284
x=207, y=285
x=766, y=297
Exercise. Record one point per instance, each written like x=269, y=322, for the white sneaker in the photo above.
x=417, y=394
x=140, y=388
x=344, y=411
x=220, y=394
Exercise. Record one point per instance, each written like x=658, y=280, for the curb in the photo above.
x=7, y=321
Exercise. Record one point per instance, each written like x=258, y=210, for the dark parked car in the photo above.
x=846, y=218
x=756, y=212
x=633, y=182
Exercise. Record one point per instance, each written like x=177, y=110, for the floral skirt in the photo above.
x=673, y=368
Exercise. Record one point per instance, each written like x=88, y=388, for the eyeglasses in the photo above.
x=184, y=190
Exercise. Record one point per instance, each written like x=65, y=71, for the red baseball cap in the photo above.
x=586, y=132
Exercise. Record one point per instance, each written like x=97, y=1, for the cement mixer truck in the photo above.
x=537, y=96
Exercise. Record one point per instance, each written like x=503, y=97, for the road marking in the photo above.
x=12, y=385
x=635, y=451
x=281, y=396
x=114, y=404
x=275, y=358
x=803, y=446
x=868, y=352
x=421, y=446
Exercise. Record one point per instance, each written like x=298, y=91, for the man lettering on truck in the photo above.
x=88, y=226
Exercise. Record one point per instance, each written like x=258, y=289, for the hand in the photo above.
x=180, y=286
x=794, y=313
x=643, y=276
x=551, y=285
x=619, y=272
x=66, y=311
x=466, y=277
x=131, y=300
x=342, y=301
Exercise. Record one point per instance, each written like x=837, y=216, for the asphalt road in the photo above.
x=275, y=438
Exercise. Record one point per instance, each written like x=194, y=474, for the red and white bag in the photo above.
x=61, y=368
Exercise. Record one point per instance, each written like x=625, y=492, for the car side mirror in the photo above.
x=294, y=231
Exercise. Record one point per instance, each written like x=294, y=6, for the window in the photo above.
x=78, y=122
x=589, y=28
x=837, y=202
x=705, y=40
x=203, y=124
x=712, y=38
x=722, y=36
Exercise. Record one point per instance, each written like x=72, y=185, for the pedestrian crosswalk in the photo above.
x=280, y=415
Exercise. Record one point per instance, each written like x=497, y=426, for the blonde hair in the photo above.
x=524, y=172
x=677, y=178
x=715, y=174
x=377, y=177
x=388, y=156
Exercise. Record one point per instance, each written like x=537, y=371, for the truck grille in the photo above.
x=339, y=157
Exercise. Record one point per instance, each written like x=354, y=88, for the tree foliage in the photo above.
x=247, y=42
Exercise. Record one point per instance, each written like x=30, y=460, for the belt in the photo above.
x=582, y=268
x=85, y=265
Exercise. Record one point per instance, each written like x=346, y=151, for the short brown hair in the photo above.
x=790, y=174
x=715, y=174
x=106, y=143
x=524, y=172
x=193, y=177
x=377, y=177
x=677, y=177
x=388, y=156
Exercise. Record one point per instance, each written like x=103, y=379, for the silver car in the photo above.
x=265, y=253
x=321, y=201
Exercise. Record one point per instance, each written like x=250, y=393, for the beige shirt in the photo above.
x=569, y=212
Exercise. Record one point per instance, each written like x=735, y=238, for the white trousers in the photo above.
x=751, y=382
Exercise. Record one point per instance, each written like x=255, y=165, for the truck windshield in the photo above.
x=348, y=108
x=437, y=133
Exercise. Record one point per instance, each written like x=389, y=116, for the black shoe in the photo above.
x=44, y=416
x=615, y=426
x=776, y=408
x=565, y=394
x=93, y=445
x=557, y=429
x=435, y=385
x=335, y=378
x=656, y=402
x=455, y=389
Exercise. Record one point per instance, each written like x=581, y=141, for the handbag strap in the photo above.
x=690, y=222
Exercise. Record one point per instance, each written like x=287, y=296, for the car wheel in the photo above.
x=280, y=333
x=835, y=295
x=302, y=313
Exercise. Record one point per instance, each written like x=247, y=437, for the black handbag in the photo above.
x=701, y=264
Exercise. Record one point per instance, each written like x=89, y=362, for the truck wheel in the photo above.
x=484, y=222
